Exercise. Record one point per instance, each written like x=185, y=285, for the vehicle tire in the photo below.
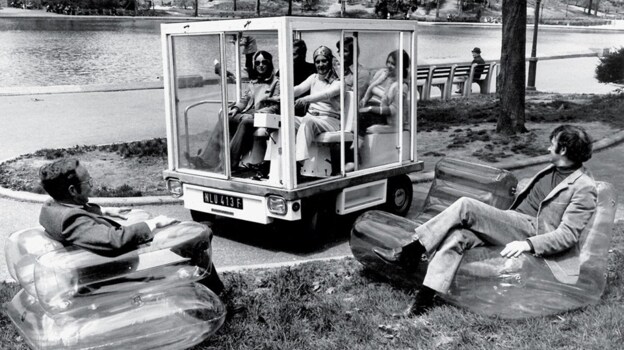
x=311, y=230
x=399, y=195
x=200, y=216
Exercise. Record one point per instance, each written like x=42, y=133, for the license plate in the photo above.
x=223, y=200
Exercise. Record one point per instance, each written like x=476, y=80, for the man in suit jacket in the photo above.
x=547, y=219
x=70, y=219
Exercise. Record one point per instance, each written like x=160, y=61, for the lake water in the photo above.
x=83, y=51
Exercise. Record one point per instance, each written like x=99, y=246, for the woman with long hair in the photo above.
x=240, y=117
x=380, y=104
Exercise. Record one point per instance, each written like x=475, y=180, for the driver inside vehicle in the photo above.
x=256, y=98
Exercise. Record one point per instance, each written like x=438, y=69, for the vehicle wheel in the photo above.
x=399, y=195
x=311, y=230
x=200, y=216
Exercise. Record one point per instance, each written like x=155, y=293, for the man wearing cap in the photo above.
x=476, y=58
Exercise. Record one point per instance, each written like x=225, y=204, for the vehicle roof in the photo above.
x=290, y=22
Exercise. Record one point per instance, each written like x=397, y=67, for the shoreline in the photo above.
x=159, y=84
x=9, y=12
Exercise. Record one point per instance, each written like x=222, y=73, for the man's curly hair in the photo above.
x=56, y=177
x=576, y=141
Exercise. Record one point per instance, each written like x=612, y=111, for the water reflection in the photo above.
x=79, y=51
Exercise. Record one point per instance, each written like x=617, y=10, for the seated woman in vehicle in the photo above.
x=380, y=104
x=323, y=102
x=240, y=117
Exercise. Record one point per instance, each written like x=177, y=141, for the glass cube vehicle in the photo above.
x=358, y=158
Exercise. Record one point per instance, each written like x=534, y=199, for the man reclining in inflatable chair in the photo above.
x=70, y=219
x=546, y=219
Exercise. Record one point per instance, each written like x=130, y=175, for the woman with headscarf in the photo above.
x=323, y=102
x=240, y=116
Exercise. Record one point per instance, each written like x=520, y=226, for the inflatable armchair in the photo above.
x=486, y=282
x=144, y=299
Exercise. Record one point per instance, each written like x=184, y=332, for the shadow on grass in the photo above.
x=280, y=237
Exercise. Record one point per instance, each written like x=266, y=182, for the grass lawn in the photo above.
x=340, y=305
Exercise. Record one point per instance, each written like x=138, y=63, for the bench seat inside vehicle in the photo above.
x=485, y=282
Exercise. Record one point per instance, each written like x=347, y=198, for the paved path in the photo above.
x=32, y=122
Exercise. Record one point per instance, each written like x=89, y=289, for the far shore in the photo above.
x=8, y=12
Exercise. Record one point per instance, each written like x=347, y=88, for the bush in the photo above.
x=154, y=147
x=124, y=190
x=611, y=67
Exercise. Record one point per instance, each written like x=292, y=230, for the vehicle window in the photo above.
x=317, y=105
x=207, y=127
x=257, y=92
x=384, y=108
x=198, y=96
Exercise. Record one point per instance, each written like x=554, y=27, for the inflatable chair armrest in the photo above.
x=70, y=277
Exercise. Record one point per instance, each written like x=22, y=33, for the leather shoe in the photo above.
x=422, y=303
x=413, y=309
x=407, y=256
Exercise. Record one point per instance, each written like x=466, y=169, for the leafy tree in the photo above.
x=510, y=83
x=611, y=67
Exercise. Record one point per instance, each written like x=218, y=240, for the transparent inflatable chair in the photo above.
x=143, y=299
x=485, y=282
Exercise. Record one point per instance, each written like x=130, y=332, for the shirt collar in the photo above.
x=329, y=78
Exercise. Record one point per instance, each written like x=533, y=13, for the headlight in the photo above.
x=277, y=205
x=175, y=187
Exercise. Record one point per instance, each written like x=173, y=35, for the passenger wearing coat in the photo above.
x=70, y=219
x=241, y=117
x=546, y=219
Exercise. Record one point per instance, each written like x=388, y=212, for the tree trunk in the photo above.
x=289, y=7
x=438, y=9
x=512, y=77
x=596, y=9
x=196, y=8
x=257, y=7
x=589, y=7
x=234, y=6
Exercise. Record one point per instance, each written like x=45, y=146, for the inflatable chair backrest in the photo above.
x=596, y=240
x=22, y=249
x=456, y=178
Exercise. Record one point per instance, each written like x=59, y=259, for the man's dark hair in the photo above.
x=347, y=40
x=298, y=43
x=56, y=177
x=576, y=141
